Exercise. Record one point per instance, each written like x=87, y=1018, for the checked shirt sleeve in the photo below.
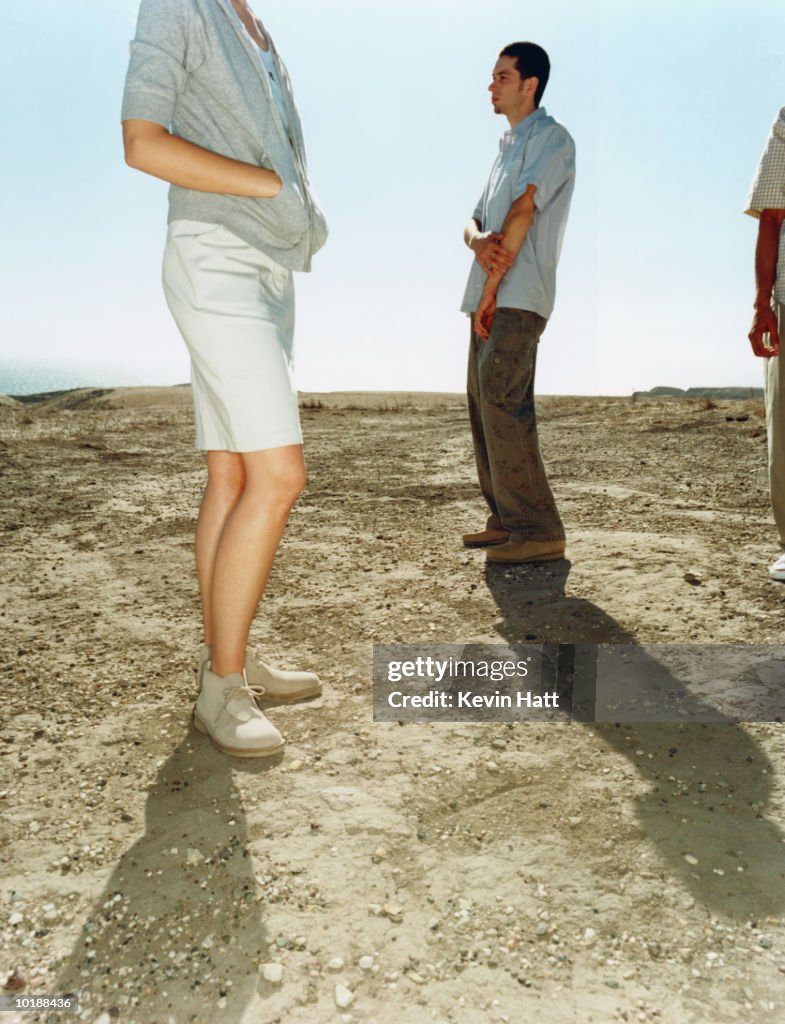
x=767, y=191
x=548, y=163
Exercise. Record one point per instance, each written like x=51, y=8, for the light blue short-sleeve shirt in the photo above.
x=767, y=191
x=537, y=151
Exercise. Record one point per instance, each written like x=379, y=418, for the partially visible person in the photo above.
x=516, y=234
x=208, y=107
x=766, y=201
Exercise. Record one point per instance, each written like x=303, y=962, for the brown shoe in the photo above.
x=527, y=551
x=485, y=538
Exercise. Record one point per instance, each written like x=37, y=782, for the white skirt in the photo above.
x=234, y=307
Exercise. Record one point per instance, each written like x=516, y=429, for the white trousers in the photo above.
x=234, y=307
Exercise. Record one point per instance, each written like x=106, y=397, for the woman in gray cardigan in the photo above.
x=208, y=107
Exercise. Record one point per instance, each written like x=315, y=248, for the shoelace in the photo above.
x=237, y=697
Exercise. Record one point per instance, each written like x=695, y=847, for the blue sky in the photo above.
x=669, y=104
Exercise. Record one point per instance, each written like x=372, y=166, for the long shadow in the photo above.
x=177, y=933
x=709, y=783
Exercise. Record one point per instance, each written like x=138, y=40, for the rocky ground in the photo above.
x=545, y=872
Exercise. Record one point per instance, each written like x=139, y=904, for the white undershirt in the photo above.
x=268, y=60
x=268, y=63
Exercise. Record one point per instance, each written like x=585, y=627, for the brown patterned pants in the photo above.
x=504, y=427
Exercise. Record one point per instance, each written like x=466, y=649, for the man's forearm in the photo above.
x=515, y=229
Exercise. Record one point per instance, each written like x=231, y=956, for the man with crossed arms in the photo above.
x=766, y=201
x=516, y=233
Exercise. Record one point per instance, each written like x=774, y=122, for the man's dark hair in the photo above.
x=530, y=59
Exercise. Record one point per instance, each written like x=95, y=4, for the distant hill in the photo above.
x=665, y=392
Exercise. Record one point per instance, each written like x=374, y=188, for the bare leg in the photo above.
x=225, y=483
x=246, y=547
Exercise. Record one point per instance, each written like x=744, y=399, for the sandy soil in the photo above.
x=462, y=873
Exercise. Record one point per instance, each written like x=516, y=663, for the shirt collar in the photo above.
x=524, y=125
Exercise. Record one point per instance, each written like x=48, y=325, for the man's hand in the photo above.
x=483, y=318
x=764, y=322
x=489, y=253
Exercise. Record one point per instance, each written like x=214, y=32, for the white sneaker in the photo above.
x=277, y=685
x=777, y=570
x=226, y=710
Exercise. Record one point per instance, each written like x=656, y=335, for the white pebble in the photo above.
x=365, y=963
x=272, y=973
x=336, y=964
x=343, y=996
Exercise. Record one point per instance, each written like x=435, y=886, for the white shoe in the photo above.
x=277, y=685
x=226, y=710
x=777, y=570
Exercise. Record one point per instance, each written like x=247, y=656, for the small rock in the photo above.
x=393, y=911
x=611, y=983
x=15, y=982
x=16, y=918
x=365, y=963
x=690, y=858
x=343, y=996
x=193, y=857
x=51, y=915
x=589, y=937
x=272, y=972
x=691, y=577
x=295, y=766
x=336, y=964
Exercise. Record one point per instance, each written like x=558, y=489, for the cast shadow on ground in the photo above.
x=175, y=933
x=709, y=783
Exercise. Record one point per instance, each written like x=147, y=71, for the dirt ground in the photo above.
x=533, y=873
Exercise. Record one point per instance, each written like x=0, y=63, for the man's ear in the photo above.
x=530, y=85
